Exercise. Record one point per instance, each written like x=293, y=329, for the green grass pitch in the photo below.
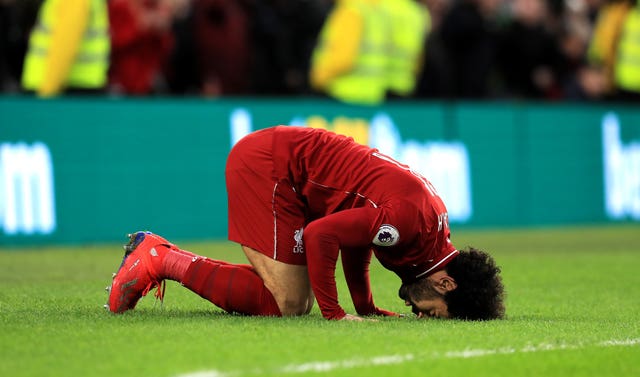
x=573, y=309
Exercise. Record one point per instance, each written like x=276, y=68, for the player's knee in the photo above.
x=291, y=306
x=310, y=300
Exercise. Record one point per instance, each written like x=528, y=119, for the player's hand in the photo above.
x=351, y=317
x=386, y=313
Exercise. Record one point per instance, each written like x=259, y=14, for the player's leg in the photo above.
x=236, y=288
x=288, y=283
x=149, y=259
x=267, y=216
x=266, y=287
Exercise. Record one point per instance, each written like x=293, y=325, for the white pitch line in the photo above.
x=328, y=366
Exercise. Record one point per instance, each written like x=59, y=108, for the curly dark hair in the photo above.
x=480, y=293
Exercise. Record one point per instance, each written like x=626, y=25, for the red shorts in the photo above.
x=265, y=213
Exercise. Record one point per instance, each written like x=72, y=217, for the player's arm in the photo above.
x=355, y=263
x=323, y=238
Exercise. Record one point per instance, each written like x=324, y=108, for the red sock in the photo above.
x=176, y=262
x=236, y=288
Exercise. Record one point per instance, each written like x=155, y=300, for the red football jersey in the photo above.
x=359, y=200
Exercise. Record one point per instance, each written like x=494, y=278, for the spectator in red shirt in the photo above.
x=221, y=41
x=298, y=199
x=142, y=40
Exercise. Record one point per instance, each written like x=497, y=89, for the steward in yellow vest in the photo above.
x=409, y=23
x=627, y=67
x=68, y=47
x=604, y=40
x=349, y=62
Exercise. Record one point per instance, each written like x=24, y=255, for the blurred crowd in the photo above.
x=359, y=51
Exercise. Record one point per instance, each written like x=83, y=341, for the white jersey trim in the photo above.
x=275, y=221
x=436, y=265
x=373, y=204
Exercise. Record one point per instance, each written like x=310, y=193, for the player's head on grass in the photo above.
x=470, y=288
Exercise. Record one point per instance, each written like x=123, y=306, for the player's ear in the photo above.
x=443, y=283
x=447, y=283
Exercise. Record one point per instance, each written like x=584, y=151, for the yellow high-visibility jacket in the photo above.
x=349, y=63
x=68, y=47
